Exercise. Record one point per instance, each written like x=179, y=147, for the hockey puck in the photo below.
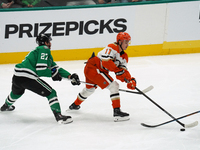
x=183, y=129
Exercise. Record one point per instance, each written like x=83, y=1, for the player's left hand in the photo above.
x=131, y=84
x=75, y=79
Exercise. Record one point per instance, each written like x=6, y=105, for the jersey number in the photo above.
x=108, y=51
x=44, y=56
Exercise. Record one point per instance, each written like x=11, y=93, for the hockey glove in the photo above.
x=121, y=74
x=75, y=79
x=132, y=84
x=55, y=75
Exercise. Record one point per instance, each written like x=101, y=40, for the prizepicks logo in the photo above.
x=65, y=28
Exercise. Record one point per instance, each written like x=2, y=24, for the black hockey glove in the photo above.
x=75, y=79
x=55, y=75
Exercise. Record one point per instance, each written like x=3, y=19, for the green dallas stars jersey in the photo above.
x=38, y=63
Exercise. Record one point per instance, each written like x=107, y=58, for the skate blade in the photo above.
x=66, y=121
x=68, y=109
x=71, y=110
x=118, y=119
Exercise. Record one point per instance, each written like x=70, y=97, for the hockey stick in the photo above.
x=175, y=119
x=182, y=124
x=144, y=91
x=186, y=125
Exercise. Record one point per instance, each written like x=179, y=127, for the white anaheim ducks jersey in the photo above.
x=112, y=52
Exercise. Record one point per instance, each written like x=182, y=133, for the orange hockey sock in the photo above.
x=116, y=103
x=78, y=101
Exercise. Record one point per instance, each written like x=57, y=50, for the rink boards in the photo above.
x=156, y=29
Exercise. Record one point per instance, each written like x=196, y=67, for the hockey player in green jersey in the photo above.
x=39, y=63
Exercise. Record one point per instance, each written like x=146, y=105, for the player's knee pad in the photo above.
x=86, y=93
x=113, y=87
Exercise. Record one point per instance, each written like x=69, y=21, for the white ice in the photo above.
x=176, y=81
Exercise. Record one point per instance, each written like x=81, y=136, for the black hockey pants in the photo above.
x=39, y=86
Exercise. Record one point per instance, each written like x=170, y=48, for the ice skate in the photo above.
x=73, y=106
x=119, y=115
x=61, y=119
x=5, y=107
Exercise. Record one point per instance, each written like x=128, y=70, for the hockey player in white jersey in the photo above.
x=111, y=58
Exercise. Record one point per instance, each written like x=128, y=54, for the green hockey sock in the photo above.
x=53, y=101
x=11, y=99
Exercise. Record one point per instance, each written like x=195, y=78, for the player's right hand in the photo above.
x=131, y=84
x=75, y=79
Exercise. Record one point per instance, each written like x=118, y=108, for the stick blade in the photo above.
x=148, y=89
x=148, y=126
x=191, y=125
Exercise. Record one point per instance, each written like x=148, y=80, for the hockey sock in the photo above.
x=78, y=101
x=114, y=94
x=53, y=101
x=11, y=99
x=116, y=103
x=83, y=95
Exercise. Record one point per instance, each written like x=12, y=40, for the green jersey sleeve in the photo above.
x=64, y=73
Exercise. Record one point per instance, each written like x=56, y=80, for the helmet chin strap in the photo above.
x=121, y=47
x=122, y=52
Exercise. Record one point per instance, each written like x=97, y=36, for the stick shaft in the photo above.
x=180, y=117
x=129, y=91
x=119, y=89
x=160, y=107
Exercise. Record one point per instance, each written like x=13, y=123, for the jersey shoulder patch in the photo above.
x=114, y=47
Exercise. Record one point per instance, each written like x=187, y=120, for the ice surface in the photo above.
x=176, y=81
